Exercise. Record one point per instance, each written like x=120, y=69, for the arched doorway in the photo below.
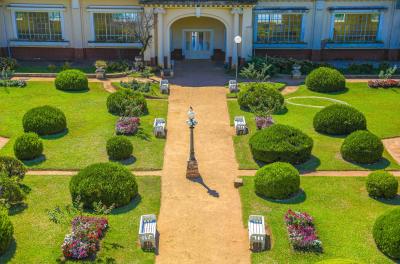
x=198, y=38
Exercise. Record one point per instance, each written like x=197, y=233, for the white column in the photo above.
x=318, y=28
x=150, y=52
x=160, y=35
x=76, y=31
x=235, y=12
x=247, y=33
x=394, y=44
x=3, y=33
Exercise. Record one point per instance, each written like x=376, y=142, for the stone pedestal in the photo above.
x=192, y=170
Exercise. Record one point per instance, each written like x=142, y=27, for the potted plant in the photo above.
x=296, y=73
x=100, y=65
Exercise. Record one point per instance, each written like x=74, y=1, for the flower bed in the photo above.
x=302, y=233
x=12, y=83
x=263, y=122
x=127, y=125
x=83, y=241
x=385, y=83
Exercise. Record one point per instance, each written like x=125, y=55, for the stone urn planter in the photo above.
x=296, y=73
x=263, y=122
x=100, y=69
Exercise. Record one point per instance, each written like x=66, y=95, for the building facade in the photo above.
x=201, y=29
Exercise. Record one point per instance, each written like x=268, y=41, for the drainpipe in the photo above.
x=5, y=32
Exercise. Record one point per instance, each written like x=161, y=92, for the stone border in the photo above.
x=314, y=97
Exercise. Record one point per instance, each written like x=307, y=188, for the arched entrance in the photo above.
x=195, y=38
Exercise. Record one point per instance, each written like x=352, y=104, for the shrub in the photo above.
x=127, y=102
x=28, y=146
x=44, y=120
x=71, y=80
x=339, y=261
x=12, y=167
x=109, y=183
x=302, y=233
x=386, y=232
x=143, y=87
x=10, y=191
x=281, y=143
x=13, y=83
x=339, y=119
x=119, y=148
x=127, y=125
x=278, y=180
x=325, y=80
x=364, y=68
x=6, y=230
x=386, y=83
x=362, y=147
x=8, y=64
x=254, y=95
x=382, y=184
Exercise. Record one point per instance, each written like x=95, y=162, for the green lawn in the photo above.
x=343, y=212
x=380, y=106
x=153, y=93
x=89, y=127
x=38, y=240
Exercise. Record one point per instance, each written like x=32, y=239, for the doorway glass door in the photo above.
x=197, y=44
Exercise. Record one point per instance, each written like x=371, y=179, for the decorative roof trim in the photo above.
x=358, y=8
x=199, y=3
x=112, y=9
x=36, y=7
x=281, y=9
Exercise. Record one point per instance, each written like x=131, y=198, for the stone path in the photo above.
x=3, y=141
x=392, y=145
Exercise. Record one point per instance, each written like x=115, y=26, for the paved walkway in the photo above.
x=392, y=145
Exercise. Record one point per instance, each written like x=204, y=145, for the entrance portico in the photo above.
x=200, y=41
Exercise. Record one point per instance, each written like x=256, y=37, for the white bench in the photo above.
x=240, y=125
x=233, y=87
x=164, y=86
x=159, y=127
x=257, y=234
x=148, y=231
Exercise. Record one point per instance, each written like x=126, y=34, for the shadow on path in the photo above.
x=210, y=191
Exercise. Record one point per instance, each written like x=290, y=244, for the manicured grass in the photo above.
x=343, y=213
x=153, y=93
x=46, y=69
x=380, y=107
x=89, y=126
x=38, y=240
x=277, y=85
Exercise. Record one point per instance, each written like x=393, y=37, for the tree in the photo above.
x=142, y=30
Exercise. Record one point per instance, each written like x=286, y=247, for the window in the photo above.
x=356, y=27
x=38, y=26
x=278, y=28
x=114, y=27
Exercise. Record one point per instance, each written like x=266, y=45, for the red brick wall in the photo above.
x=3, y=52
x=285, y=53
x=110, y=53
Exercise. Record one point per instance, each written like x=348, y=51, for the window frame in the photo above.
x=32, y=8
x=355, y=12
x=110, y=10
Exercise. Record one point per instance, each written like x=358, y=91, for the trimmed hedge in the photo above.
x=119, y=148
x=44, y=120
x=339, y=261
x=28, y=146
x=362, y=147
x=278, y=180
x=281, y=143
x=12, y=167
x=339, y=119
x=71, y=80
x=382, y=184
x=6, y=230
x=109, y=183
x=127, y=102
x=386, y=232
x=255, y=94
x=325, y=80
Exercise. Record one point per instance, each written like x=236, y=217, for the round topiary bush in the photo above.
x=386, y=232
x=281, y=143
x=127, y=102
x=278, y=180
x=119, y=148
x=362, y=147
x=109, y=183
x=382, y=184
x=44, y=120
x=339, y=261
x=254, y=95
x=325, y=80
x=339, y=119
x=11, y=192
x=28, y=146
x=12, y=167
x=6, y=230
x=71, y=80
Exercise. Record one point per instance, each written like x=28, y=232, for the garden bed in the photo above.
x=276, y=85
x=378, y=105
x=89, y=127
x=38, y=240
x=344, y=216
x=154, y=92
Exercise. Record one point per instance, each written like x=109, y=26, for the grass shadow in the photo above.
x=37, y=161
x=9, y=254
x=142, y=134
x=297, y=198
x=16, y=209
x=75, y=92
x=129, y=161
x=132, y=205
x=107, y=245
x=55, y=136
x=345, y=90
x=380, y=165
x=310, y=165
x=393, y=201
